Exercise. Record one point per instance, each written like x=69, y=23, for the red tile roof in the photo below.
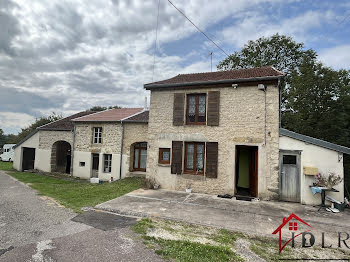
x=109, y=115
x=64, y=123
x=139, y=118
x=241, y=74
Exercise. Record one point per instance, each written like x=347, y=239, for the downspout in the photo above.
x=121, y=151
x=72, y=153
x=265, y=117
x=280, y=102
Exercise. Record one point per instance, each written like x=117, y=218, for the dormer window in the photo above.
x=97, y=135
x=196, y=109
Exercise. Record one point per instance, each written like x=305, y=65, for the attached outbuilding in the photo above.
x=301, y=158
x=48, y=148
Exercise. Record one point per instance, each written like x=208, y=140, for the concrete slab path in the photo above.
x=257, y=218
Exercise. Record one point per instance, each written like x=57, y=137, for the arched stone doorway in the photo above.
x=61, y=157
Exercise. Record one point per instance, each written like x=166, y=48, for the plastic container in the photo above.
x=94, y=180
x=340, y=207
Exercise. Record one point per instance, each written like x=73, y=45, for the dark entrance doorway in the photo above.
x=61, y=157
x=246, y=171
x=28, y=158
x=95, y=165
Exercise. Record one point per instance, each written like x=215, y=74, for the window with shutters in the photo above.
x=140, y=156
x=194, y=158
x=164, y=156
x=97, y=135
x=196, y=109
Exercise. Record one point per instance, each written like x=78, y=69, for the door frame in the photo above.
x=297, y=153
x=92, y=164
x=236, y=166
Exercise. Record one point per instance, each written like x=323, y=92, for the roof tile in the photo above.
x=109, y=115
x=266, y=71
x=64, y=123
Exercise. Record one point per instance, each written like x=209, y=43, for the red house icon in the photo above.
x=292, y=226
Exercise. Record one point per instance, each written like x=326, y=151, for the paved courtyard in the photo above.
x=258, y=218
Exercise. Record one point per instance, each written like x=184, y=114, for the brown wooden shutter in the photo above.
x=212, y=160
x=176, y=157
x=213, y=108
x=178, y=113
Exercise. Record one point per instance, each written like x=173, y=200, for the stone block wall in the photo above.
x=48, y=138
x=111, y=138
x=242, y=122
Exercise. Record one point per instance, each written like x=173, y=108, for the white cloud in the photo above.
x=337, y=57
x=253, y=25
x=12, y=122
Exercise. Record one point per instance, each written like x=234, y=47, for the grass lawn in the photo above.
x=182, y=242
x=75, y=194
x=6, y=166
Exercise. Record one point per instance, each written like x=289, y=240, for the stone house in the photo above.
x=219, y=133
x=221, y=130
x=111, y=144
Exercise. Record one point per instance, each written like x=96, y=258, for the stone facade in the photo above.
x=242, y=122
x=111, y=138
x=48, y=138
x=133, y=133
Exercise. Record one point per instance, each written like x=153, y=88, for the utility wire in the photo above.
x=198, y=28
x=155, y=43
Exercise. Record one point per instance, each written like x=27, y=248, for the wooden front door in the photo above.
x=253, y=171
x=290, y=176
x=95, y=165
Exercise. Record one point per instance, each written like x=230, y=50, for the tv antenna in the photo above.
x=211, y=61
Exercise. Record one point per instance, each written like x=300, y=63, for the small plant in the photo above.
x=151, y=183
x=327, y=181
x=188, y=187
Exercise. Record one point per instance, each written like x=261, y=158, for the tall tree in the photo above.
x=318, y=103
x=279, y=51
x=3, y=138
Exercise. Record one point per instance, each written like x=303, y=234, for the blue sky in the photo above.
x=67, y=56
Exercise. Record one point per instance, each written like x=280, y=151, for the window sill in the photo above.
x=193, y=177
x=164, y=165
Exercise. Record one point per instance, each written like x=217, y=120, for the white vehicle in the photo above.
x=8, y=152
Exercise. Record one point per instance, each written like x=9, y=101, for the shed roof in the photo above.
x=64, y=123
x=314, y=141
x=111, y=115
x=141, y=117
x=238, y=75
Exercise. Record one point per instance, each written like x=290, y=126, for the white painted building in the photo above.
x=301, y=157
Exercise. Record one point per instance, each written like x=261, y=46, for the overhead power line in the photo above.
x=198, y=28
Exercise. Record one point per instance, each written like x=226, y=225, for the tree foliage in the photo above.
x=103, y=108
x=279, y=51
x=14, y=139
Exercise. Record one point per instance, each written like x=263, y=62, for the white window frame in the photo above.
x=97, y=135
x=107, y=163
